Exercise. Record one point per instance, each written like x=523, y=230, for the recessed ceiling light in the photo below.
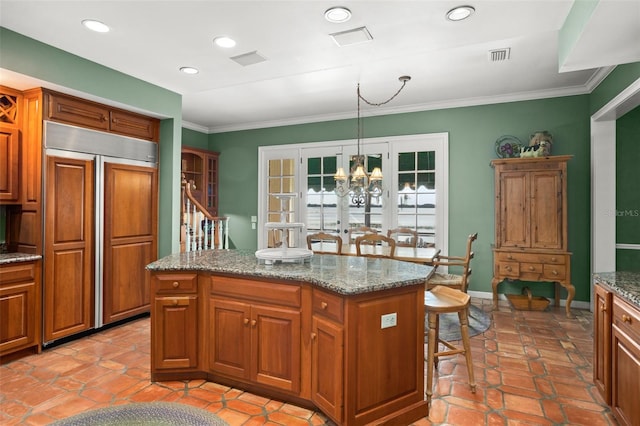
x=189, y=70
x=337, y=14
x=96, y=26
x=459, y=13
x=224, y=41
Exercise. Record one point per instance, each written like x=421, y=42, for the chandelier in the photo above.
x=359, y=185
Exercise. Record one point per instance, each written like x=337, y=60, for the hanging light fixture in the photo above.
x=360, y=185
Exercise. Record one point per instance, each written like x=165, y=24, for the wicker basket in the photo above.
x=527, y=302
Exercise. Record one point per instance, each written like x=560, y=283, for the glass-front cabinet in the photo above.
x=200, y=168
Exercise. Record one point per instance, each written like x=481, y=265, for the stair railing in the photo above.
x=200, y=230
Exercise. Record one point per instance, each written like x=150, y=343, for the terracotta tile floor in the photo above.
x=532, y=368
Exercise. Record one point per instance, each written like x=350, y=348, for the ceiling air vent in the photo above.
x=499, y=55
x=354, y=36
x=248, y=58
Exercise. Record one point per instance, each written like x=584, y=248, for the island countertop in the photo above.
x=626, y=284
x=6, y=258
x=346, y=275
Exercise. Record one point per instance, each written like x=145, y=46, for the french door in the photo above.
x=414, y=189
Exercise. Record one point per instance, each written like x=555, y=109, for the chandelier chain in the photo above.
x=404, y=82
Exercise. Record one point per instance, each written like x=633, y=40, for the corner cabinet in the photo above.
x=200, y=168
x=531, y=223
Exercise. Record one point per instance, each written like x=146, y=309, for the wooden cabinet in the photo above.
x=327, y=354
x=260, y=331
x=174, y=343
x=531, y=223
x=69, y=247
x=80, y=112
x=625, y=362
x=602, y=342
x=20, y=307
x=10, y=124
x=200, y=168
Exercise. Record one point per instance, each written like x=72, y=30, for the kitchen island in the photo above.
x=616, y=337
x=342, y=334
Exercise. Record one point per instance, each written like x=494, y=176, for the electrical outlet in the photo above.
x=254, y=219
x=389, y=320
x=253, y=225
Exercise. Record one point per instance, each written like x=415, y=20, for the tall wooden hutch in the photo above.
x=531, y=223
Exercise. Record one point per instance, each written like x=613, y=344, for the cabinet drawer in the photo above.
x=17, y=272
x=328, y=305
x=176, y=283
x=555, y=272
x=509, y=269
x=531, y=258
x=531, y=268
x=626, y=318
x=260, y=291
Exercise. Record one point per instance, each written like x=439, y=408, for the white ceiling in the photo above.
x=307, y=77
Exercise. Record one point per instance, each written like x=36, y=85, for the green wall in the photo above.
x=627, y=192
x=195, y=139
x=472, y=135
x=35, y=59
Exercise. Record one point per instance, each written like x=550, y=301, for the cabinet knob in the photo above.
x=253, y=323
x=531, y=268
x=175, y=284
x=324, y=305
x=246, y=321
x=554, y=259
x=313, y=336
x=509, y=257
x=175, y=302
x=626, y=318
x=508, y=268
x=603, y=308
x=554, y=272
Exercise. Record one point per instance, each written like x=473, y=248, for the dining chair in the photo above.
x=322, y=237
x=457, y=281
x=405, y=237
x=359, y=231
x=375, y=239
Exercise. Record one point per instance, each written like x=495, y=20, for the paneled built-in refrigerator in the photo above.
x=100, y=228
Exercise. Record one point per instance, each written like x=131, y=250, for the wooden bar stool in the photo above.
x=441, y=300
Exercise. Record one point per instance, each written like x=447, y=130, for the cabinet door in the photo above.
x=514, y=209
x=130, y=238
x=135, y=125
x=327, y=367
x=69, y=241
x=602, y=342
x=211, y=190
x=275, y=343
x=625, y=378
x=230, y=337
x=77, y=111
x=17, y=315
x=175, y=330
x=546, y=210
x=9, y=170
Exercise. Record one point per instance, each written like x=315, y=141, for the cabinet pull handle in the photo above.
x=603, y=308
x=313, y=336
x=626, y=318
x=324, y=305
x=175, y=284
x=253, y=323
x=554, y=272
x=246, y=321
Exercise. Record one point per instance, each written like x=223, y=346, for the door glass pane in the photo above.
x=281, y=181
x=321, y=202
x=416, y=204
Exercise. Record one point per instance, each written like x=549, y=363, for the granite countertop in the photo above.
x=6, y=258
x=345, y=275
x=626, y=284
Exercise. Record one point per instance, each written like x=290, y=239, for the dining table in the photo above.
x=422, y=255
